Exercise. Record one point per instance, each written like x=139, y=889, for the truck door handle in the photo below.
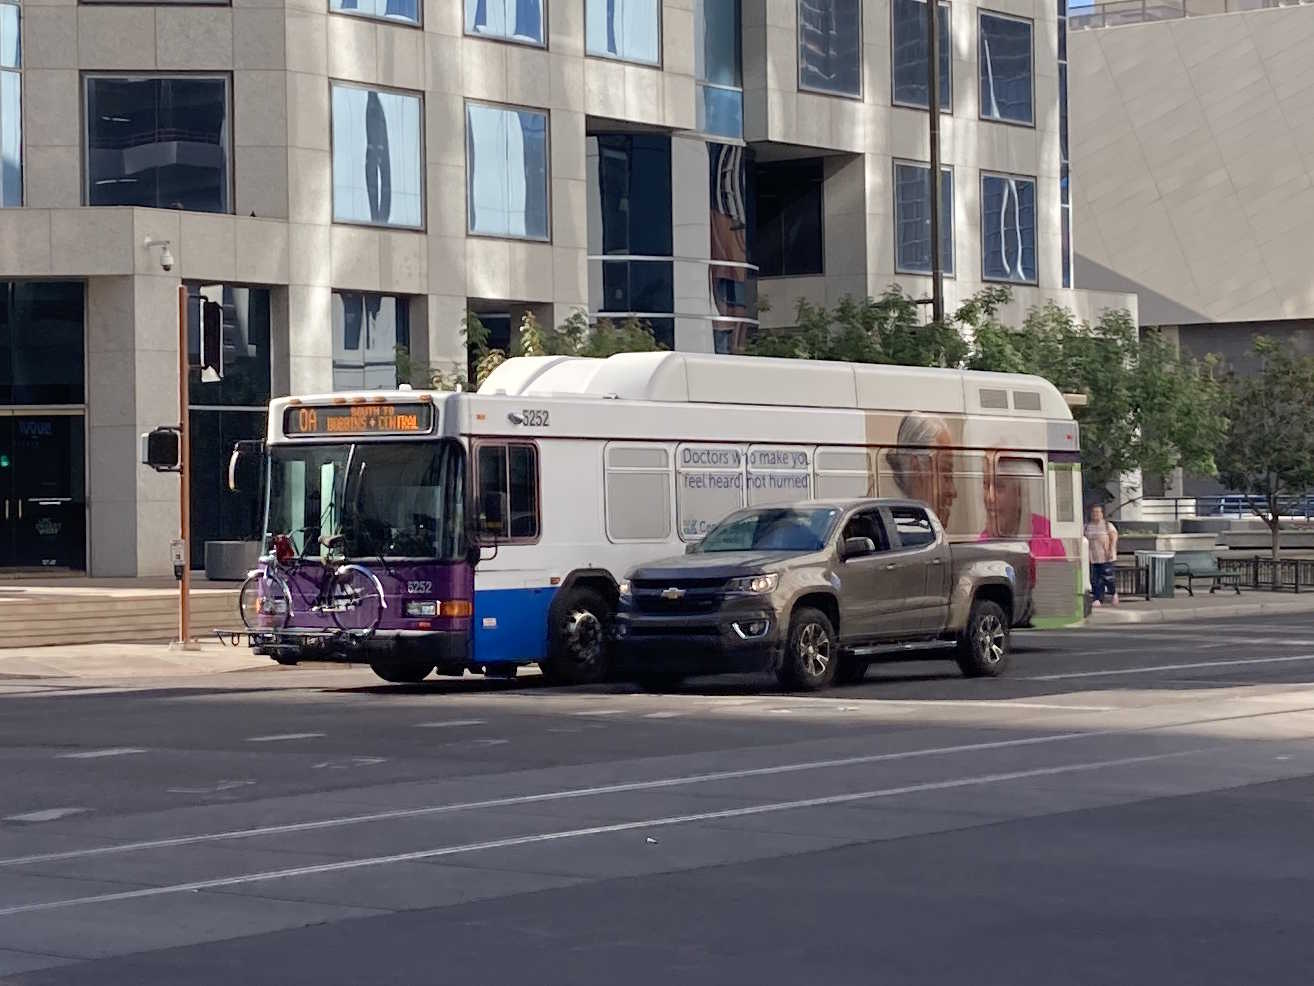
x=938, y=561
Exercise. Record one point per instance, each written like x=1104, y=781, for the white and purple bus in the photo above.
x=485, y=531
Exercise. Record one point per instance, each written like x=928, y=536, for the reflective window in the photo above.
x=910, y=50
x=42, y=348
x=218, y=513
x=830, y=46
x=1065, y=191
x=367, y=330
x=719, y=58
x=161, y=143
x=11, y=108
x=789, y=218
x=628, y=29
x=639, y=286
x=508, y=481
x=506, y=154
x=1008, y=228
x=378, y=160
x=512, y=20
x=629, y=188
x=407, y=11
x=912, y=219
x=1004, y=54
x=245, y=321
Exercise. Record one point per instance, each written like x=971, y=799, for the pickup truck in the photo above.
x=812, y=590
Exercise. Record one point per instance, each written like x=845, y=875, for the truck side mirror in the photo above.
x=857, y=548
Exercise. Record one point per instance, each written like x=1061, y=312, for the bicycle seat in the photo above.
x=334, y=541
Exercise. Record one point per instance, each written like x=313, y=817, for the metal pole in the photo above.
x=933, y=94
x=184, y=475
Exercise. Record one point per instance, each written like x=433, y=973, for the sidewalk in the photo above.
x=124, y=661
x=1221, y=605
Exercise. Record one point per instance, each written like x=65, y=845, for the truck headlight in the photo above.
x=624, y=589
x=754, y=584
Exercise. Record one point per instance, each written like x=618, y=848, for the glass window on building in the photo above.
x=406, y=11
x=11, y=108
x=506, y=157
x=789, y=218
x=42, y=342
x=162, y=143
x=1004, y=54
x=732, y=274
x=830, y=46
x=909, y=55
x=627, y=29
x=510, y=20
x=718, y=56
x=1008, y=228
x=1065, y=179
x=367, y=331
x=378, y=157
x=912, y=219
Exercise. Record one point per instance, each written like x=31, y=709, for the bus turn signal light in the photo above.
x=457, y=607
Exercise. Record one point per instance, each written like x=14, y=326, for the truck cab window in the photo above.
x=914, y=527
x=867, y=525
x=511, y=472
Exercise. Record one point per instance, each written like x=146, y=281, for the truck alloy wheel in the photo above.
x=810, y=652
x=983, y=647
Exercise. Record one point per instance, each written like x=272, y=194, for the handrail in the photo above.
x=1111, y=13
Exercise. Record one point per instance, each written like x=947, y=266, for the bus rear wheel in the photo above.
x=577, y=643
x=402, y=672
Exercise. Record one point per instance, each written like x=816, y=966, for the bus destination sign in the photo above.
x=358, y=419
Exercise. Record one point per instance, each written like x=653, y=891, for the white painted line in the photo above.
x=662, y=715
x=283, y=737
x=210, y=789
x=1170, y=667
x=573, y=793
x=45, y=815
x=116, y=751
x=1000, y=704
x=489, y=742
x=601, y=712
x=449, y=723
x=525, y=840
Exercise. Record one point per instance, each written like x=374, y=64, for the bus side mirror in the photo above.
x=243, y=465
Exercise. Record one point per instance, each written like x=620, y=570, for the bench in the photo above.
x=1202, y=566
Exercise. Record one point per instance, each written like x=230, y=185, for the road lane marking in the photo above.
x=662, y=715
x=601, y=712
x=647, y=823
x=115, y=751
x=600, y=791
x=283, y=737
x=211, y=788
x=1170, y=667
x=999, y=704
x=449, y=723
x=45, y=815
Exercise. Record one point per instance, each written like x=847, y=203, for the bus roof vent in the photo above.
x=993, y=399
x=1026, y=400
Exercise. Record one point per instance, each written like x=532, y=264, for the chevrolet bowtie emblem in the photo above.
x=672, y=593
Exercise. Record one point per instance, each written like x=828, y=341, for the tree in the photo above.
x=574, y=337
x=1148, y=408
x=1269, y=449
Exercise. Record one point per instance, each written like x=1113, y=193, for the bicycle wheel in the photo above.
x=356, y=600
x=264, y=602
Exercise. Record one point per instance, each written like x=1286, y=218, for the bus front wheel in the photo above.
x=577, y=644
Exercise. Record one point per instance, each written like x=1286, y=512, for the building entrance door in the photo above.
x=43, y=486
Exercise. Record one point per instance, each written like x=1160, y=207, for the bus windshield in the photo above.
x=387, y=500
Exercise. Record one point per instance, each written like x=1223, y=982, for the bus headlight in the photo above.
x=754, y=584
x=421, y=607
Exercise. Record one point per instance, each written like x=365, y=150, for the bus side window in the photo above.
x=507, y=483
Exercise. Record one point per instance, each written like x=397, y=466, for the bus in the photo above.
x=489, y=530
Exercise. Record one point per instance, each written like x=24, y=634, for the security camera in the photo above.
x=166, y=255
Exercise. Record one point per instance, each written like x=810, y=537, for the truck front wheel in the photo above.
x=984, y=645
x=811, y=652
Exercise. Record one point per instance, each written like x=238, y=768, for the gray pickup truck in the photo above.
x=812, y=590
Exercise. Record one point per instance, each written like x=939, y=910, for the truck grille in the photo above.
x=677, y=597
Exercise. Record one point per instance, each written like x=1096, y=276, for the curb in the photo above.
x=1131, y=617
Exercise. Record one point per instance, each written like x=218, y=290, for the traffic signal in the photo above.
x=161, y=449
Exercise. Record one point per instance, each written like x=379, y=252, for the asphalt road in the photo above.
x=1132, y=805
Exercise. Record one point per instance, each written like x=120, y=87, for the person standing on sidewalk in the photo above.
x=1103, y=539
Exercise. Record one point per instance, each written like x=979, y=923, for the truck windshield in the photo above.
x=772, y=529
x=388, y=500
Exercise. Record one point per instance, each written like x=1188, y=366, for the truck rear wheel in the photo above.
x=577, y=639
x=811, y=652
x=984, y=645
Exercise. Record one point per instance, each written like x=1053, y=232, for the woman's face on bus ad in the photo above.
x=1003, y=501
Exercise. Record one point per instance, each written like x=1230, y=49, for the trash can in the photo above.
x=1160, y=579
